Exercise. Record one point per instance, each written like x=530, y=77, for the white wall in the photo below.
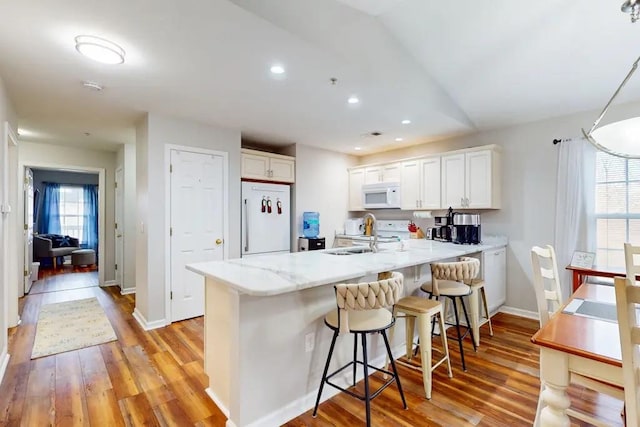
x=153, y=133
x=8, y=268
x=529, y=164
x=126, y=159
x=322, y=185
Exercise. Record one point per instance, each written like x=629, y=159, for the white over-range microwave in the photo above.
x=383, y=195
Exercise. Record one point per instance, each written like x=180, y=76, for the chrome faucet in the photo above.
x=373, y=243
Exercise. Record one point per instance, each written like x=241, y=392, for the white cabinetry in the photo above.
x=471, y=179
x=494, y=270
x=421, y=183
x=267, y=166
x=382, y=173
x=356, y=180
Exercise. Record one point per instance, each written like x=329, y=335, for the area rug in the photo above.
x=71, y=325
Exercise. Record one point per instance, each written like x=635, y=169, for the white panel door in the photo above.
x=28, y=228
x=410, y=184
x=478, y=180
x=197, y=203
x=431, y=180
x=119, y=228
x=453, y=180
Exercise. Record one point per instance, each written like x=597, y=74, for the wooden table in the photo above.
x=580, y=274
x=572, y=343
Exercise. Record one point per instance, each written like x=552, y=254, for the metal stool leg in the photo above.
x=466, y=317
x=367, y=397
x=355, y=356
x=324, y=373
x=395, y=370
x=455, y=312
x=486, y=309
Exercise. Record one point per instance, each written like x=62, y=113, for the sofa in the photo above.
x=52, y=246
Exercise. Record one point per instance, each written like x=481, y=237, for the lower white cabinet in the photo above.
x=494, y=272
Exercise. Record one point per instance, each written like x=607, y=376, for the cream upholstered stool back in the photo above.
x=455, y=280
x=361, y=310
x=367, y=296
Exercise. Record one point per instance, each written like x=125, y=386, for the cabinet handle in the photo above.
x=417, y=204
x=462, y=201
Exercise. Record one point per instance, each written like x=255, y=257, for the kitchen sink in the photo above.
x=350, y=251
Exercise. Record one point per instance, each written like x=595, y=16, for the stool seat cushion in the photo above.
x=362, y=320
x=448, y=288
x=418, y=305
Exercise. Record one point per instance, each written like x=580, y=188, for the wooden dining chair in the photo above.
x=546, y=284
x=627, y=296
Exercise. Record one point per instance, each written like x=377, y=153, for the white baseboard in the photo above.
x=519, y=312
x=147, y=326
x=110, y=283
x=127, y=291
x=218, y=402
x=303, y=404
x=4, y=362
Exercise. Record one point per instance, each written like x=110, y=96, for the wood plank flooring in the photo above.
x=156, y=378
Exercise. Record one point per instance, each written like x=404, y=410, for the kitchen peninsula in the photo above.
x=265, y=341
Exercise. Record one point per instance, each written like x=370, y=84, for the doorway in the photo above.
x=62, y=208
x=98, y=173
x=197, y=186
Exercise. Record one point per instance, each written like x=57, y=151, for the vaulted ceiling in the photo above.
x=449, y=67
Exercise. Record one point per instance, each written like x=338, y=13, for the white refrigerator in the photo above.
x=266, y=219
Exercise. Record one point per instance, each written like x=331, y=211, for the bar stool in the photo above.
x=360, y=310
x=455, y=280
x=423, y=310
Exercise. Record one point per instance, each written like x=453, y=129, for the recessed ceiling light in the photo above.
x=353, y=100
x=406, y=121
x=99, y=49
x=92, y=85
x=277, y=69
x=357, y=148
x=398, y=139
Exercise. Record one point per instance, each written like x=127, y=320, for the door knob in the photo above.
x=218, y=241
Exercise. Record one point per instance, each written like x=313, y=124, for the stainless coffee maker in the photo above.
x=466, y=228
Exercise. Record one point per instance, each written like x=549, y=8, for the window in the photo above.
x=617, y=207
x=72, y=211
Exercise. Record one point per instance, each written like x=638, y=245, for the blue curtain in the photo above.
x=50, y=222
x=90, y=220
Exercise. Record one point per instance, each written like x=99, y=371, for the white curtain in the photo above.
x=575, y=205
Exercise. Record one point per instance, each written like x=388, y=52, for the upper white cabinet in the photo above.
x=267, y=166
x=382, y=173
x=356, y=180
x=471, y=179
x=420, y=180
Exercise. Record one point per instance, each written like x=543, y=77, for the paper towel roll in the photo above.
x=422, y=214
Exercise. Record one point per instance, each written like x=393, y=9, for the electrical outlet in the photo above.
x=309, y=341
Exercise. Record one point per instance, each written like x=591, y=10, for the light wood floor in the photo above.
x=156, y=378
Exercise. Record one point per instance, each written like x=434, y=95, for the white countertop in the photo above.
x=282, y=273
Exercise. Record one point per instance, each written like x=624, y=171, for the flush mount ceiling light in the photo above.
x=353, y=100
x=357, y=148
x=398, y=139
x=277, y=69
x=406, y=121
x=99, y=49
x=632, y=7
x=616, y=138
